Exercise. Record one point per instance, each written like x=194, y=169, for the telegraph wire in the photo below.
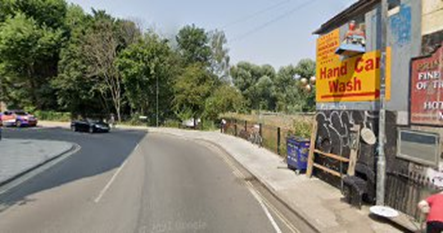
x=253, y=15
x=276, y=19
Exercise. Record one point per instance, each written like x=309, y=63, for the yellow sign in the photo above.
x=326, y=46
x=353, y=79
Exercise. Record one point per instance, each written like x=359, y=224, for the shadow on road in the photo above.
x=99, y=153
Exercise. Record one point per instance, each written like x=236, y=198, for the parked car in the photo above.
x=190, y=123
x=18, y=118
x=90, y=125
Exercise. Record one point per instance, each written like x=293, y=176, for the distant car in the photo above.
x=190, y=123
x=90, y=125
x=17, y=118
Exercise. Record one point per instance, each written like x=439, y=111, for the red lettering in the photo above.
x=357, y=63
x=357, y=84
x=369, y=65
x=323, y=73
x=333, y=86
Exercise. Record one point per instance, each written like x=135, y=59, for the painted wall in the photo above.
x=432, y=16
x=404, y=25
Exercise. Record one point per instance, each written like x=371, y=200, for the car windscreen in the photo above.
x=91, y=120
x=20, y=113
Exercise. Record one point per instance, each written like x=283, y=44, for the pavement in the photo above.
x=314, y=200
x=20, y=156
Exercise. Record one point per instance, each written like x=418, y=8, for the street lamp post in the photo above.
x=156, y=97
x=381, y=160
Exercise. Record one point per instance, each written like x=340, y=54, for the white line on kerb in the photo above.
x=263, y=206
x=103, y=191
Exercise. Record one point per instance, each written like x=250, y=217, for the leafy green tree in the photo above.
x=256, y=83
x=193, y=45
x=306, y=69
x=75, y=90
x=100, y=47
x=28, y=57
x=225, y=98
x=191, y=89
x=147, y=68
x=287, y=90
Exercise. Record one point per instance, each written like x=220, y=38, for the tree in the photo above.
x=28, y=57
x=193, y=45
x=256, y=83
x=287, y=90
x=76, y=92
x=306, y=69
x=191, y=89
x=143, y=66
x=100, y=49
x=31, y=35
x=219, y=55
x=225, y=98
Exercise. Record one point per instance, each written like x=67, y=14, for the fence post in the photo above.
x=278, y=140
x=246, y=126
x=260, y=132
x=235, y=127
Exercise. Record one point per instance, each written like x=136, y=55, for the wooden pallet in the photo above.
x=351, y=161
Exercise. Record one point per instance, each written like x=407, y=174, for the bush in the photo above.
x=302, y=128
x=52, y=116
x=172, y=123
x=208, y=125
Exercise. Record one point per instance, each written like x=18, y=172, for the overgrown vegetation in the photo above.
x=55, y=57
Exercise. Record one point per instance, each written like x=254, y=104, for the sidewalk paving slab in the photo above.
x=20, y=156
x=314, y=200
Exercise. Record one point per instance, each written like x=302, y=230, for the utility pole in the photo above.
x=381, y=160
x=156, y=96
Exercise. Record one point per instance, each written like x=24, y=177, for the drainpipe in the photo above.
x=381, y=160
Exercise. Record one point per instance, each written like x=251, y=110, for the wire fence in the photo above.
x=272, y=138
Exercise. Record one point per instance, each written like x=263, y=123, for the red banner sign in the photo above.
x=427, y=89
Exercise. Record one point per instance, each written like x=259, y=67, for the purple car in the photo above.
x=17, y=118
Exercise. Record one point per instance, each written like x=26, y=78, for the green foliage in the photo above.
x=76, y=92
x=193, y=45
x=208, y=125
x=225, y=98
x=28, y=58
x=53, y=116
x=192, y=88
x=144, y=65
x=256, y=83
x=55, y=57
x=171, y=123
x=306, y=68
x=302, y=128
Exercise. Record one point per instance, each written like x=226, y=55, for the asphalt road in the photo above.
x=133, y=181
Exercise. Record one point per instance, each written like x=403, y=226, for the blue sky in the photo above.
x=276, y=32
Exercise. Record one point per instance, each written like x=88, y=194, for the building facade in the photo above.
x=349, y=62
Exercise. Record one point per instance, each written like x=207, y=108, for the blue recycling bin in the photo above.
x=298, y=151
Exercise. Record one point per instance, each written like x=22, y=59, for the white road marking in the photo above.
x=261, y=199
x=103, y=191
x=263, y=206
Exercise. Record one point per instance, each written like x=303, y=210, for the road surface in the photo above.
x=133, y=181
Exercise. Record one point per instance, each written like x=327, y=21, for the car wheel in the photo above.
x=73, y=128
x=18, y=124
x=91, y=129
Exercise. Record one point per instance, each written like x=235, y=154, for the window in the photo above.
x=419, y=147
x=393, y=4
